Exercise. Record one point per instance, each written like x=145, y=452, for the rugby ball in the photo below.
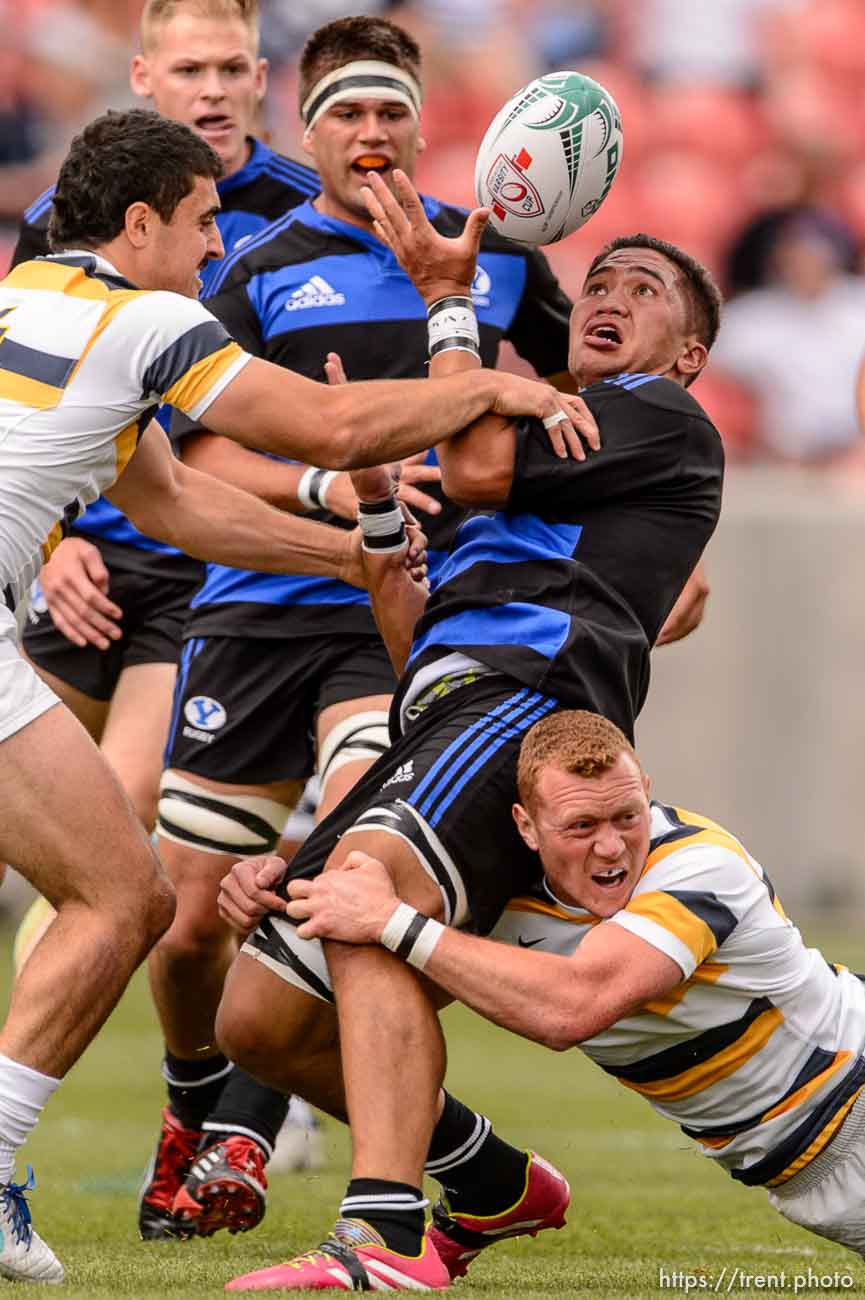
x=548, y=160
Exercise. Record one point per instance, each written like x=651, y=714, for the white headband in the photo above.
x=363, y=79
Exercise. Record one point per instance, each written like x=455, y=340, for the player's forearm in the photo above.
x=271, y=480
x=476, y=464
x=215, y=521
x=350, y=425
x=537, y=995
x=397, y=604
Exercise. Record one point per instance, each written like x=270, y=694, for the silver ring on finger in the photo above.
x=557, y=418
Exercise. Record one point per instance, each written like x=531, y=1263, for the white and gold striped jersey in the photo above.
x=758, y=1053
x=85, y=359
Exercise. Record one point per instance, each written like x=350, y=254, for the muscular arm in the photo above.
x=370, y=422
x=272, y=480
x=215, y=521
x=556, y=1001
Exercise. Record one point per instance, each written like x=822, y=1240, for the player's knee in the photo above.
x=211, y=821
x=364, y=737
x=244, y=1032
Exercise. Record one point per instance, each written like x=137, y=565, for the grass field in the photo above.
x=646, y=1206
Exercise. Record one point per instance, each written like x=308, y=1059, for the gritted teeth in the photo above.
x=614, y=876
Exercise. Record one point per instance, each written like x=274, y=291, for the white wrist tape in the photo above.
x=452, y=324
x=382, y=525
x=411, y=935
x=312, y=488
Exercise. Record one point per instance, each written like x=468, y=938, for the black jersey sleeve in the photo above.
x=656, y=443
x=32, y=242
x=234, y=310
x=539, y=330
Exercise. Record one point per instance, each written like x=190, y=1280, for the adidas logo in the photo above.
x=315, y=293
x=405, y=772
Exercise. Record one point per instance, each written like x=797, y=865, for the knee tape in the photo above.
x=242, y=824
x=363, y=736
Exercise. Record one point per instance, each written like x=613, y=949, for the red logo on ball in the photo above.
x=510, y=190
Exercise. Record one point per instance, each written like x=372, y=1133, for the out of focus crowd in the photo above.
x=744, y=124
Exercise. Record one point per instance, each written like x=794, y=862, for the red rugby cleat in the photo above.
x=459, y=1238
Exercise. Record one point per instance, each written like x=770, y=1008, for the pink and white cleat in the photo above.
x=353, y=1258
x=459, y=1238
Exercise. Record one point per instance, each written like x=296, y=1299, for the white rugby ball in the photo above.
x=549, y=158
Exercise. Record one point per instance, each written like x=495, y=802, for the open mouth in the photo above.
x=371, y=162
x=610, y=879
x=213, y=123
x=604, y=334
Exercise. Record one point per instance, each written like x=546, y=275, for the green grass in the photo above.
x=644, y=1199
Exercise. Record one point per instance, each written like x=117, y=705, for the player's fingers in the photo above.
x=299, y=908
x=270, y=872
x=582, y=418
x=94, y=566
x=408, y=197
x=92, y=599
x=412, y=496
x=299, y=888
x=72, y=634
x=334, y=369
x=420, y=473
x=476, y=224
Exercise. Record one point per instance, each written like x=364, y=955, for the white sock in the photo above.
x=23, y=1093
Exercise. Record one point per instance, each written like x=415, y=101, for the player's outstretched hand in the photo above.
x=75, y=585
x=687, y=613
x=438, y=266
x=353, y=903
x=414, y=470
x=246, y=893
x=565, y=416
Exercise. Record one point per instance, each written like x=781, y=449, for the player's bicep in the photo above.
x=477, y=464
x=625, y=970
x=263, y=403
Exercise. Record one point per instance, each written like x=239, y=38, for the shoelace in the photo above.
x=13, y=1197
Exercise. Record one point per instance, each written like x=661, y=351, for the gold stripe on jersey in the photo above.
x=808, y=1089
x=57, y=277
x=200, y=378
x=52, y=541
x=822, y=1140
x=667, y=912
x=720, y=1066
x=125, y=443
x=29, y=392
x=114, y=300
x=709, y=973
x=538, y=905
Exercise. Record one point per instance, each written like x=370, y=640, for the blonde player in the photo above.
x=657, y=945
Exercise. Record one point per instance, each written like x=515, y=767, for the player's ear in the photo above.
x=261, y=70
x=525, y=825
x=138, y=223
x=306, y=142
x=692, y=358
x=421, y=144
x=139, y=77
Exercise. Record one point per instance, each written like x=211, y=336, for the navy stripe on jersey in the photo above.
x=696, y=1051
x=303, y=177
x=817, y=1062
x=630, y=381
x=18, y=359
x=41, y=205
x=466, y=755
x=228, y=262
x=783, y=1155
x=173, y=363
x=717, y=916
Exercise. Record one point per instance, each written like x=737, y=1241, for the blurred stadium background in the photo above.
x=744, y=126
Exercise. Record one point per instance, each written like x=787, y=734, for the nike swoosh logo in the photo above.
x=527, y=943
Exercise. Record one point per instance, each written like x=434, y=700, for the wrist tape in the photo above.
x=312, y=488
x=411, y=935
x=452, y=325
x=382, y=525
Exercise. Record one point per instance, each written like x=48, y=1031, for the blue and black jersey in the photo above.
x=264, y=189
x=311, y=284
x=566, y=589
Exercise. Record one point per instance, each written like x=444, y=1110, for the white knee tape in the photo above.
x=362, y=736
x=242, y=824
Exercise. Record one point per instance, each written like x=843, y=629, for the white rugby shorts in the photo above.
x=23, y=694
x=828, y=1196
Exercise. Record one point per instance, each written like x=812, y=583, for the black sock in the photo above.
x=249, y=1108
x=194, y=1087
x=480, y=1173
x=394, y=1210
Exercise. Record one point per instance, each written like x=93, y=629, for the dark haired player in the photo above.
x=296, y=668
x=553, y=600
x=105, y=630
